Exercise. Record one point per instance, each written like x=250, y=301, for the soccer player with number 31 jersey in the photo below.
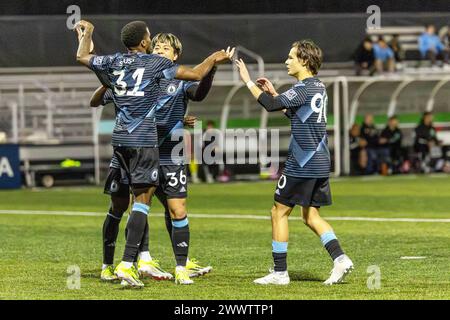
x=305, y=179
x=134, y=78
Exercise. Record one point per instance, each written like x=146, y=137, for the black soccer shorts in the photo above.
x=172, y=182
x=141, y=164
x=305, y=192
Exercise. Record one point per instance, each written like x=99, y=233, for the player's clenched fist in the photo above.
x=84, y=26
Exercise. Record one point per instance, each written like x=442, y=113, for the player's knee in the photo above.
x=277, y=213
x=178, y=212
x=309, y=216
x=119, y=206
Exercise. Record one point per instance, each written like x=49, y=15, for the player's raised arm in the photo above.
x=267, y=101
x=270, y=102
x=84, y=30
x=201, y=70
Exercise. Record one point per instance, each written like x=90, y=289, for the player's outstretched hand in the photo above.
x=243, y=72
x=223, y=55
x=266, y=86
x=189, y=121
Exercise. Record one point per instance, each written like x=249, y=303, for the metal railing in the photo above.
x=37, y=102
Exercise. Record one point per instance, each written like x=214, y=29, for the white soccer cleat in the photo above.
x=153, y=269
x=274, y=277
x=342, y=267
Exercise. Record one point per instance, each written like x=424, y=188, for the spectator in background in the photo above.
x=391, y=147
x=370, y=134
x=395, y=46
x=431, y=47
x=384, y=56
x=358, y=153
x=364, y=58
x=446, y=43
x=425, y=139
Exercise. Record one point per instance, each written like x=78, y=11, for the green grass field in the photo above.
x=37, y=249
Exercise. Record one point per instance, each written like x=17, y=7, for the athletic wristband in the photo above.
x=250, y=84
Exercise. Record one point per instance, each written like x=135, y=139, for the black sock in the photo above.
x=137, y=222
x=334, y=249
x=144, y=243
x=280, y=261
x=110, y=232
x=180, y=240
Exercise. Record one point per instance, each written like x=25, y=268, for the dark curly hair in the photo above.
x=133, y=33
x=310, y=53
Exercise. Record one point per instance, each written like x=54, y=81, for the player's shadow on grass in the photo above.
x=304, y=276
x=91, y=274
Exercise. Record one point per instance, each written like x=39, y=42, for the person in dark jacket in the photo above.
x=358, y=152
x=391, y=145
x=425, y=139
x=364, y=57
x=371, y=135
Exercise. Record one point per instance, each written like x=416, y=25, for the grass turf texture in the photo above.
x=37, y=249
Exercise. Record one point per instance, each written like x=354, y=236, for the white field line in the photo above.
x=219, y=216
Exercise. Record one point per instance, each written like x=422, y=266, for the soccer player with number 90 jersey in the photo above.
x=304, y=181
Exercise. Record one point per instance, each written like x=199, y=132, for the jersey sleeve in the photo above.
x=293, y=98
x=100, y=64
x=189, y=84
x=108, y=97
x=164, y=68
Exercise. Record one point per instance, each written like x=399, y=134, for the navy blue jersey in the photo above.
x=135, y=80
x=172, y=105
x=308, y=155
x=171, y=108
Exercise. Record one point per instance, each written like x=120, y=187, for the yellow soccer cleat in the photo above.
x=182, y=276
x=129, y=275
x=108, y=274
x=195, y=269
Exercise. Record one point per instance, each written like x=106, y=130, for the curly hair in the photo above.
x=133, y=33
x=310, y=53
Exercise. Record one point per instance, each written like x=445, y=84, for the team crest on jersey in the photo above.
x=171, y=88
x=290, y=94
x=154, y=175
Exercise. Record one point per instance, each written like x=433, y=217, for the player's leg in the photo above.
x=180, y=238
x=163, y=200
x=284, y=202
x=175, y=192
x=119, y=192
x=142, y=165
x=280, y=236
x=173, y=187
x=147, y=265
x=321, y=196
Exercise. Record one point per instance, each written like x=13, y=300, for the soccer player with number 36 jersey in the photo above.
x=305, y=179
